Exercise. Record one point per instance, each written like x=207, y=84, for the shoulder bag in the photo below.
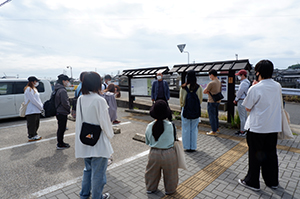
x=22, y=110
x=179, y=151
x=286, y=132
x=90, y=133
x=217, y=97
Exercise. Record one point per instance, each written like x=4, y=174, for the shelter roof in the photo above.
x=146, y=71
x=218, y=66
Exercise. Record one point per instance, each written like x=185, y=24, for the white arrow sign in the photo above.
x=181, y=47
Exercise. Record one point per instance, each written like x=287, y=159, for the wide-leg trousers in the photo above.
x=164, y=160
x=262, y=154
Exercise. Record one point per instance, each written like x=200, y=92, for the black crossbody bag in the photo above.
x=217, y=97
x=90, y=133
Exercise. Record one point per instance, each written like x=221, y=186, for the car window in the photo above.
x=19, y=87
x=41, y=87
x=6, y=88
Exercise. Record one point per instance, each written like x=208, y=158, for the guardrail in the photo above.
x=285, y=91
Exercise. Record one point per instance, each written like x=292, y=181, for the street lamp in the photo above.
x=71, y=71
x=181, y=48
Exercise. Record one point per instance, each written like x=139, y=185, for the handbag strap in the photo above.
x=174, y=131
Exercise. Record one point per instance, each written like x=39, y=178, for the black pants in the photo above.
x=33, y=123
x=262, y=154
x=62, y=124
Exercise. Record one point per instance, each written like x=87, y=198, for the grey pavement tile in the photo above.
x=62, y=196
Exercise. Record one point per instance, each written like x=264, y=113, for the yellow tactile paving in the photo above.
x=199, y=181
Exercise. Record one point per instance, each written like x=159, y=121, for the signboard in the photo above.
x=141, y=86
x=181, y=47
x=204, y=80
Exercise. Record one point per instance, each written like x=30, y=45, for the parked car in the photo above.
x=12, y=95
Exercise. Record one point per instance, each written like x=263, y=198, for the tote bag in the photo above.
x=180, y=154
x=286, y=132
x=23, y=108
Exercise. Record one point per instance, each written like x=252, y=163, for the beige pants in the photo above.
x=165, y=160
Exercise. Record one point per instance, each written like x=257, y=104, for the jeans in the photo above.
x=213, y=114
x=242, y=114
x=94, y=177
x=189, y=129
x=62, y=124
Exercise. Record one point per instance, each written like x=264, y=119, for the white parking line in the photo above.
x=29, y=143
x=62, y=185
x=45, y=140
x=70, y=182
x=24, y=124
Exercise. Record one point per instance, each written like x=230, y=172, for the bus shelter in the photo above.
x=226, y=73
x=140, y=81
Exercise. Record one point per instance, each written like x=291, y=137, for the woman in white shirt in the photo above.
x=93, y=109
x=263, y=101
x=34, y=108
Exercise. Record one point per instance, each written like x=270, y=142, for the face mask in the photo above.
x=239, y=77
x=36, y=84
x=108, y=82
x=66, y=84
x=159, y=77
x=256, y=76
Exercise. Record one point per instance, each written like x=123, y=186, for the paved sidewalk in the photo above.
x=213, y=171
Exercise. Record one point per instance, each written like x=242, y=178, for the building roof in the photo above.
x=146, y=71
x=218, y=66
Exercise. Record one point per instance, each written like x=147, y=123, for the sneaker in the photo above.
x=64, y=146
x=34, y=138
x=149, y=192
x=243, y=183
x=105, y=195
x=211, y=133
x=273, y=187
x=116, y=122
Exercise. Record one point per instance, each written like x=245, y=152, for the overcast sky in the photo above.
x=42, y=38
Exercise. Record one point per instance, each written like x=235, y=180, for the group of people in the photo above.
x=261, y=99
x=95, y=100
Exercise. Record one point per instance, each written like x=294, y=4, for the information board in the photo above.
x=141, y=86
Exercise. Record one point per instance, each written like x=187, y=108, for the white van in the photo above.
x=12, y=95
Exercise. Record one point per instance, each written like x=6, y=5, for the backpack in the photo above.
x=49, y=105
x=192, y=108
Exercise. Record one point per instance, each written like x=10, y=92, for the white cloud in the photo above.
x=116, y=35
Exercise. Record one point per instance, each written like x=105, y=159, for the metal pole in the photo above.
x=188, y=56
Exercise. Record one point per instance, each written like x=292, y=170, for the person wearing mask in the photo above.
x=63, y=109
x=160, y=90
x=190, y=126
x=93, y=109
x=240, y=96
x=162, y=156
x=263, y=101
x=212, y=88
x=107, y=81
x=34, y=108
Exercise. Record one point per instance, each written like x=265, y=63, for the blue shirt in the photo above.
x=77, y=91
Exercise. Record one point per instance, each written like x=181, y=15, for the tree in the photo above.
x=295, y=66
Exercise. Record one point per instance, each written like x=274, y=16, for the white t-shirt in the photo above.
x=264, y=100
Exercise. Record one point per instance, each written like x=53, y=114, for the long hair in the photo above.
x=30, y=84
x=190, y=80
x=158, y=129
